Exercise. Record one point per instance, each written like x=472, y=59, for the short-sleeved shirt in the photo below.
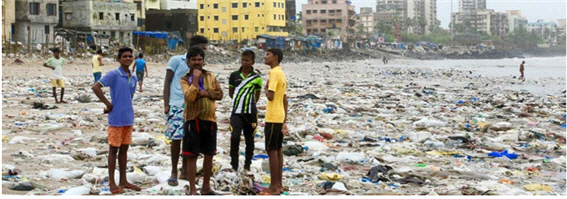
x=244, y=90
x=275, y=112
x=57, y=63
x=122, y=89
x=178, y=65
x=96, y=64
x=140, y=65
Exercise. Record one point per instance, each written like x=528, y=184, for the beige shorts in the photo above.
x=58, y=83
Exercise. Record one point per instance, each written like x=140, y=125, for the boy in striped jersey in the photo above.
x=244, y=88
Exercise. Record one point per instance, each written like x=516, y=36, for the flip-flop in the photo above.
x=172, y=182
x=212, y=193
x=133, y=187
x=266, y=194
x=117, y=191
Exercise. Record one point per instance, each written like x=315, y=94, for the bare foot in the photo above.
x=64, y=102
x=57, y=102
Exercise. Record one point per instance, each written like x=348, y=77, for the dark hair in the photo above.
x=99, y=51
x=55, y=50
x=198, y=39
x=194, y=51
x=523, y=62
x=249, y=53
x=141, y=55
x=122, y=50
x=277, y=52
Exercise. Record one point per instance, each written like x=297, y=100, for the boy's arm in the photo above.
x=98, y=92
x=189, y=90
x=46, y=64
x=134, y=67
x=230, y=86
x=270, y=89
x=146, y=68
x=230, y=92
x=100, y=60
x=215, y=94
x=285, y=108
x=257, y=95
x=166, y=86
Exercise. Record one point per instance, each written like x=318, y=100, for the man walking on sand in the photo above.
x=97, y=63
x=140, y=67
x=522, y=71
x=276, y=116
x=56, y=64
x=173, y=107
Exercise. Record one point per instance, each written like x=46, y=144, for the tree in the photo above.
x=422, y=23
x=383, y=28
x=360, y=29
x=299, y=16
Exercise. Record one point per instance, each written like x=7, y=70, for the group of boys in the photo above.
x=190, y=93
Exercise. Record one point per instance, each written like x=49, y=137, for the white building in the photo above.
x=178, y=4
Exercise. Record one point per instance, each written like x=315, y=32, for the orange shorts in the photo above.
x=119, y=135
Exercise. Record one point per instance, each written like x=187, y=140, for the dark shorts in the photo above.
x=200, y=137
x=140, y=76
x=273, y=136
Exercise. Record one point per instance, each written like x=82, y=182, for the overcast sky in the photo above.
x=531, y=9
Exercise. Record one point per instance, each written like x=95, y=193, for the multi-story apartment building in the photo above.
x=471, y=5
x=367, y=19
x=141, y=13
x=483, y=21
x=118, y=19
x=411, y=16
x=178, y=4
x=546, y=29
x=182, y=20
x=8, y=19
x=241, y=19
x=319, y=15
x=35, y=20
x=561, y=27
x=515, y=20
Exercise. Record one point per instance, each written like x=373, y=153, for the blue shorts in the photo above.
x=174, y=124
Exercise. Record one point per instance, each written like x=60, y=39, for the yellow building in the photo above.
x=8, y=19
x=241, y=19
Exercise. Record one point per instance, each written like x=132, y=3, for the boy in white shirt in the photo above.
x=55, y=63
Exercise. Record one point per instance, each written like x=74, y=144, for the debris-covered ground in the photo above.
x=358, y=128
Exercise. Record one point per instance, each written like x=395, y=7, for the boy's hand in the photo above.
x=285, y=131
x=108, y=109
x=204, y=94
x=196, y=73
x=166, y=110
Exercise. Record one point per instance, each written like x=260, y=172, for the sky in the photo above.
x=531, y=9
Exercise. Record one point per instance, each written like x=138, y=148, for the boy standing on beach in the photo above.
x=244, y=88
x=120, y=111
x=140, y=67
x=522, y=71
x=55, y=63
x=276, y=116
x=200, y=89
x=97, y=63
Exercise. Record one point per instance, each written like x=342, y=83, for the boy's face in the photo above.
x=126, y=58
x=56, y=54
x=196, y=62
x=269, y=58
x=246, y=61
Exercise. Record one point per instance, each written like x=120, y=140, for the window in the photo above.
x=334, y=1
x=258, y=15
x=245, y=17
x=202, y=6
x=234, y=30
x=244, y=5
x=215, y=30
x=275, y=4
x=256, y=29
x=202, y=30
x=308, y=11
x=262, y=28
x=234, y=5
x=34, y=8
x=323, y=30
x=257, y=4
x=324, y=2
x=117, y=16
x=234, y=17
x=51, y=9
x=216, y=6
x=315, y=30
x=139, y=5
x=339, y=21
x=101, y=15
x=224, y=21
x=47, y=29
x=314, y=11
x=274, y=16
x=323, y=11
x=242, y=29
x=202, y=18
x=132, y=17
x=216, y=18
x=323, y=21
x=308, y=30
x=208, y=17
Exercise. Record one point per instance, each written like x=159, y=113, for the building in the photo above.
x=35, y=20
x=178, y=4
x=561, y=27
x=367, y=19
x=141, y=13
x=153, y=4
x=290, y=16
x=8, y=19
x=515, y=20
x=546, y=29
x=471, y=5
x=118, y=19
x=410, y=16
x=182, y=20
x=241, y=19
x=485, y=21
x=319, y=15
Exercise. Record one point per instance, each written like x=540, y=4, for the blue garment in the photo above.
x=178, y=65
x=122, y=89
x=97, y=76
x=201, y=84
x=140, y=65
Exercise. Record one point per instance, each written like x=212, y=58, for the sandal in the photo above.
x=117, y=191
x=172, y=182
x=133, y=187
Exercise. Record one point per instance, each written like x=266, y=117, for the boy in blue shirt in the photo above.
x=140, y=66
x=122, y=86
